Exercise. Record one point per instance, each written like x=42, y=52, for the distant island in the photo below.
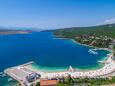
x=102, y=36
x=10, y=31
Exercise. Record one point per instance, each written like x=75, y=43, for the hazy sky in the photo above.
x=56, y=13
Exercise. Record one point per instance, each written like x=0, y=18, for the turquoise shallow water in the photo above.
x=7, y=81
x=47, y=52
x=55, y=69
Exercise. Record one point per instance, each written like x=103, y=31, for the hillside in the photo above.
x=99, y=36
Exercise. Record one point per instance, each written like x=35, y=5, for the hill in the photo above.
x=98, y=36
x=6, y=31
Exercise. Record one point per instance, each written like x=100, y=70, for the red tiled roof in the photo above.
x=48, y=82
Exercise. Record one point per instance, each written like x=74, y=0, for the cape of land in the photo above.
x=7, y=31
x=102, y=36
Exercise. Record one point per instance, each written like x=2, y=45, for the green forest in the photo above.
x=98, y=36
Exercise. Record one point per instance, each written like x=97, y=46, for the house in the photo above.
x=32, y=77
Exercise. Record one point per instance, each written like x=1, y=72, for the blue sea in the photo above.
x=47, y=51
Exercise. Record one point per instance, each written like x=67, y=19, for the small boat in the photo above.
x=92, y=51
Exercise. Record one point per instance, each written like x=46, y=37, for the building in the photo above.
x=32, y=77
x=48, y=82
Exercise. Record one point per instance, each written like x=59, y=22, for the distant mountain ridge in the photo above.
x=108, y=30
x=6, y=31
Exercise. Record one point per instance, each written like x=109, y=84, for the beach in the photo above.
x=48, y=52
x=20, y=72
x=25, y=69
x=107, y=69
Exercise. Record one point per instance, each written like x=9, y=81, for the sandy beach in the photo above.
x=107, y=69
x=20, y=72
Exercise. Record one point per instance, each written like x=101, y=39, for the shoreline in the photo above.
x=58, y=69
x=91, y=46
x=25, y=69
x=91, y=72
x=101, y=64
x=30, y=65
x=56, y=37
x=84, y=44
x=104, y=71
x=97, y=48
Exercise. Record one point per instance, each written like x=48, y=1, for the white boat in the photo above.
x=92, y=51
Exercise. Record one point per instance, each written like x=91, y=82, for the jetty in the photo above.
x=24, y=76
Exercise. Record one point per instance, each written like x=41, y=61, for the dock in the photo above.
x=20, y=73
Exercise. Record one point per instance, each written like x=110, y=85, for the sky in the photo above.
x=53, y=14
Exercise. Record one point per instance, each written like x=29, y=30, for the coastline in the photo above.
x=91, y=46
x=107, y=70
x=83, y=69
x=97, y=48
x=23, y=70
x=56, y=37
x=56, y=71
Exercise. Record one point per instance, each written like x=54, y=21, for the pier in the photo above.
x=20, y=73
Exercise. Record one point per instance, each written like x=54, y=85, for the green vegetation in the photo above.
x=37, y=84
x=114, y=50
x=98, y=36
x=114, y=47
x=86, y=81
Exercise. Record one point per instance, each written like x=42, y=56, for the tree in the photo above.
x=114, y=50
x=37, y=84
